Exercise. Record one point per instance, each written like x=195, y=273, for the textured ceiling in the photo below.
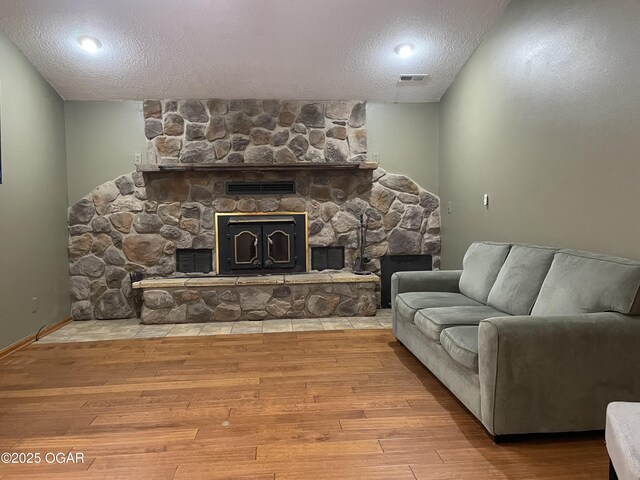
x=289, y=49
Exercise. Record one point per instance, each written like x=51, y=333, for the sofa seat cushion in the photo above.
x=520, y=279
x=622, y=435
x=462, y=344
x=583, y=282
x=431, y=321
x=480, y=267
x=408, y=303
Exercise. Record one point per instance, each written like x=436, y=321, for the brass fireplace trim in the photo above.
x=263, y=214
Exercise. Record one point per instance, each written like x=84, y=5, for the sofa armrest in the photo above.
x=556, y=373
x=426, y=281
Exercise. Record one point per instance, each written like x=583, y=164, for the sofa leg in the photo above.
x=612, y=472
x=498, y=439
x=501, y=438
x=519, y=437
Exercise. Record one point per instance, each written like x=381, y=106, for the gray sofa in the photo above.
x=530, y=339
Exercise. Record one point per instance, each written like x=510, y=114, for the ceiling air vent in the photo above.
x=413, y=78
x=261, y=188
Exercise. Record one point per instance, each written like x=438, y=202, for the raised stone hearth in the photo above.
x=224, y=299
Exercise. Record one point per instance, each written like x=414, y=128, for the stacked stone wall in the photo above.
x=254, y=131
x=136, y=222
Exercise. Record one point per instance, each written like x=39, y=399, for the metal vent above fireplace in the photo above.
x=261, y=188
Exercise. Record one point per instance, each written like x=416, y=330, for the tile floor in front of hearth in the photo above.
x=95, y=330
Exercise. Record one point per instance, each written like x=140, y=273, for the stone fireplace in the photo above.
x=204, y=157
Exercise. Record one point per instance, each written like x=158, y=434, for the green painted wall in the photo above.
x=102, y=140
x=545, y=118
x=406, y=137
x=33, y=200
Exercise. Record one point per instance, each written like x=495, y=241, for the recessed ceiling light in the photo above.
x=89, y=44
x=405, y=50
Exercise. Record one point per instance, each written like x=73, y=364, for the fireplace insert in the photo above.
x=261, y=243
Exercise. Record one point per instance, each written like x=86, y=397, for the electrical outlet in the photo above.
x=375, y=156
x=449, y=208
x=485, y=200
x=137, y=158
x=34, y=305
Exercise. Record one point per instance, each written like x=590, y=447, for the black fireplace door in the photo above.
x=261, y=244
x=246, y=248
x=278, y=248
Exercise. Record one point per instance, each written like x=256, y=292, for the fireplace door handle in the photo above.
x=256, y=263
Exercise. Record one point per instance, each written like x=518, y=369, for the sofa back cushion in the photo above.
x=520, y=279
x=583, y=282
x=480, y=267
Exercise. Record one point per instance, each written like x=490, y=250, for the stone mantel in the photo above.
x=231, y=167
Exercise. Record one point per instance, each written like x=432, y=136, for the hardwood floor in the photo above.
x=307, y=405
